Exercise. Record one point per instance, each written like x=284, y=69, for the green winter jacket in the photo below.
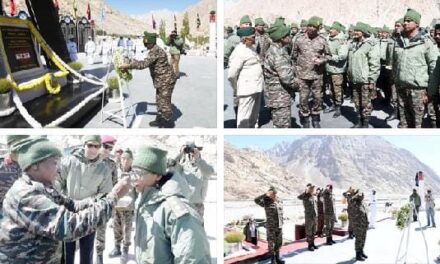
x=414, y=62
x=176, y=46
x=364, y=62
x=168, y=228
x=80, y=178
x=339, y=50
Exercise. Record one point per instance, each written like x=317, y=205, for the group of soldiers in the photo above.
x=49, y=203
x=315, y=199
x=277, y=61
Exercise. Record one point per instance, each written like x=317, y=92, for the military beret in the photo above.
x=150, y=38
x=245, y=32
x=413, y=15
x=278, y=31
x=89, y=138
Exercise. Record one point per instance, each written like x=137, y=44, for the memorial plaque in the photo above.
x=19, y=48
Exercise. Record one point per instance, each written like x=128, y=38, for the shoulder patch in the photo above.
x=178, y=207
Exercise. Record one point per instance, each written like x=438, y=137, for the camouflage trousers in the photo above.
x=163, y=102
x=362, y=94
x=274, y=239
x=336, y=82
x=122, y=227
x=248, y=110
x=329, y=224
x=200, y=208
x=281, y=117
x=360, y=234
x=320, y=224
x=309, y=88
x=310, y=229
x=350, y=223
x=411, y=106
x=174, y=61
x=100, y=239
x=432, y=109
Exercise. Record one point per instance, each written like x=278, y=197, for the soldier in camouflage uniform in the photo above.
x=273, y=207
x=9, y=168
x=414, y=61
x=107, y=145
x=363, y=71
x=124, y=213
x=309, y=203
x=309, y=54
x=36, y=220
x=163, y=78
x=278, y=77
x=360, y=224
x=347, y=195
x=329, y=213
x=262, y=39
x=320, y=211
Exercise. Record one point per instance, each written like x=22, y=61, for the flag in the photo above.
x=154, y=22
x=198, y=21
x=13, y=8
x=75, y=8
x=175, y=23
x=89, y=12
x=56, y=5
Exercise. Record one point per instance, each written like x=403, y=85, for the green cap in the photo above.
x=278, y=31
x=93, y=138
x=272, y=189
x=127, y=154
x=303, y=23
x=338, y=26
x=245, y=19
x=150, y=38
x=294, y=25
x=280, y=20
x=314, y=21
x=12, y=139
x=246, y=31
x=259, y=22
x=362, y=27
x=400, y=21
x=151, y=159
x=413, y=15
x=35, y=150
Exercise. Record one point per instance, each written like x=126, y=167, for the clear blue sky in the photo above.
x=425, y=148
x=139, y=7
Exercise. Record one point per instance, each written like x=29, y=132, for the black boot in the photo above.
x=393, y=115
x=350, y=235
x=115, y=252
x=167, y=124
x=273, y=259
x=310, y=247
x=158, y=122
x=329, y=241
x=337, y=112
x=365, y=122
x=329, y=109
x=359, y=256
x=99, y=259
x=278, y=258
x=363, y=254
x=315, y=121
x=314, y=246
x=305, y=121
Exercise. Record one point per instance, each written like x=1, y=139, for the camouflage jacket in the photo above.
x=279, y=77
x=9, y=173
x=262, y=44
x=114, y=169
x=359, y=216
x=328, y=203
x=309, y=204
x=274, y=211
x=304, y=51
x=34, y=223
x=348, y=196
x=160, y=69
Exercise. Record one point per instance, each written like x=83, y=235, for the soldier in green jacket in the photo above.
x=309, y=203
x=168, y=228
x=35, y=220
x=363, y=71
x=337, y=66
x=414, y=61
x=360, y=224
x=176, y=48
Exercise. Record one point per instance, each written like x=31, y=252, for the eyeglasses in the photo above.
x=108, y=147
x=90, y=145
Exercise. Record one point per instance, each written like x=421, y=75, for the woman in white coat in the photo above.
x=246, y=75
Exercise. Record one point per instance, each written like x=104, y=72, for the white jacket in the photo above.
x=245, y=71
x=90, y=47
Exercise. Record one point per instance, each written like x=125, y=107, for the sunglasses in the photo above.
x=108, y=147
x=90, y=145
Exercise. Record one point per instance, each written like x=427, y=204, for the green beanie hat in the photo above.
x=400, y=21
x=338, y=26
x=303, y=23
x=278, y=31
x=151, y=159
x=12, y=139
x=362, y=27
x=93, y=138
x=150, y=38
x=280, y=20
x=35, y=150
x=127, y=154
x=244, y=32
x=245, y=19
x=259, y=22
x=413, y=15
x=385, y=29
x=314, y=21
x=272, y=189
x=294, y=25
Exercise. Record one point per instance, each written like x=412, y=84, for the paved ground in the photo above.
x=194, y=98
x=346, y=120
